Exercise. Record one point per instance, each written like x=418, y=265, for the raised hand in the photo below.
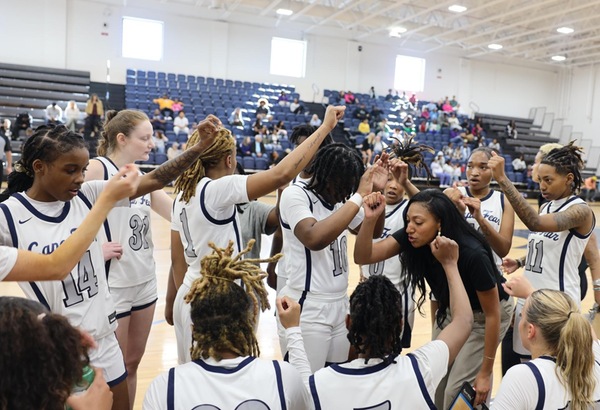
x=123, y=184
x=474, y=206
x=374, y=205
x=519, y=287
x=399, y=170
x=333, y=115
x=288, y=311
x=496, y=164
x=509, y=265
x=445, y=250
x=207, y=129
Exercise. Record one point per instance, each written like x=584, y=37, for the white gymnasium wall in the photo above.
x=581, y=105
x=68, y=34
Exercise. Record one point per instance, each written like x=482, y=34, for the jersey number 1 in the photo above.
x=339, y=251
x=537, y=258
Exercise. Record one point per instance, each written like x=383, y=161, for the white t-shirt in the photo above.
x=520, y=390
x=8, y=259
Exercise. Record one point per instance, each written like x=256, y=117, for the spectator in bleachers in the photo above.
x=236, y=117
x=449, y=169
x=413, y=101
x=283, y=100
x=468, y=135
x=257, y=126
x=5, y=156
x=519, y=164
x=158, y=121
x=177, y=106
x=258, y=149
x=590, y=188
x=165, y=105
x=245, y=147
x=53, y=114
x=364, y=127
x=495, y=145
x=160, y=140
x=349, y=98
x=434, y=127
x=315, y=121
x=372, y=93
x=446, y=107
x=383, y=128
x=455, y=105
x=296, y=107
x=72, y=115
x=425, y=114
x=22, y=123
x=174, y=150
x=511, y=129
x=376, y=114
x=367, y=149
x=465, y=151
x=453, y=122
x=378, y=146
x=398, y=135
x=437, y=169
x=263, y=110
x=360, y=112
x=409, y=124
x=389, y=97
x=280, y=130
x=423, y=126
x=448, y=150
x=478, y=131
x=181, y=123
x=95, y=111
x=5, y=128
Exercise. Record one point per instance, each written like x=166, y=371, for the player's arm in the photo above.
x=178, y=263
x=55, y=266
x=500, y=241
x=490, y=304
x=162, y=204
x=592, y=258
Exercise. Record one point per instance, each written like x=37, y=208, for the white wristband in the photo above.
x=356, y=199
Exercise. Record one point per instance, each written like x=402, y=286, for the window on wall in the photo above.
x=410, y=74
x=288, y=57
x=142, y=39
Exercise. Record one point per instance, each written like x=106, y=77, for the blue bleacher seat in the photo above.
x=141, y=73
x=510, y=175
x=161, y=75
x=519, y=177
x=261, y=163
x=151, y=74
x=130, y=72
x=248, y=163
x=171, y=136
x=160, y=158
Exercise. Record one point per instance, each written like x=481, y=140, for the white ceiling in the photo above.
x=525, y=28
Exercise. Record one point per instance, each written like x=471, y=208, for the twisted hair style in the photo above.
x=412, y=153
x=306, y=130
x=567, y=160
x=223, y=145
x=416, y=261
x=41, y=357
x=46, y=144
x=336, y=165
x=118, y=122
x=376, y=318
x=224, y=313
x=546, y=148
x=568, y=335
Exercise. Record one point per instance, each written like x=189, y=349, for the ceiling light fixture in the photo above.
x=565, y=30
x=559, y=58
x=457, y=8
x=495, y=46
x=397, y=31
x=284, y=12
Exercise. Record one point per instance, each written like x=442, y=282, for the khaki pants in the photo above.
x=468, y=362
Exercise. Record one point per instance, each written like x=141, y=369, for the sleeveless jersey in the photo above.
x=209, y=216
x=252, y=384
x=553, y=257
x=407, y=382
x=131, y=228
x=320, y=272
x=83, y=296
x=492, y=209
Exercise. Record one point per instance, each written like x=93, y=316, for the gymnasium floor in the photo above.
x=161, y=351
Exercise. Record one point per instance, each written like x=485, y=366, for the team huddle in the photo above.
x=340, y=352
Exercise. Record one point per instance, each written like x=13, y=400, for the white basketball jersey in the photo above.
x=83, y=296
x=407, y=382
x=131, y=228
x=319, y=272
x=553, y=258
x=253, y=384
x=209, y=216
x=492, y=209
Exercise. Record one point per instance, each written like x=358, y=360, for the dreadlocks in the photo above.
x=224, y=313
x=224, y=145
x=567, y=160
x=376, y=318
x=412, y=153
x=336, y=165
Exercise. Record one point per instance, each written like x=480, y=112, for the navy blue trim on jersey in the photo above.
x=135, y=308
x=171, y=390
x=207, y=215
x=393, y=211
x=364, y=370
x=39, y=295
x=87, y=202
x=540, y=384
x=580, y=236
x=568, y=201
x=103, y=166
x=238, y=236
x=485, y=198
x=118, y=380
x=406, y=329
x=313, y=392
x=302, y=299
x=502, y=200
x=424, y=392
x=11, y=225
x=308, y=255
x=561, y=264
x=280, y=384
x=38, y=214
x=224, y=370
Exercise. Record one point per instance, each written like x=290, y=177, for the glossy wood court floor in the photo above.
x=161, y=352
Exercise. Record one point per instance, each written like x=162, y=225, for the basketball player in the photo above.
x=381, y=378
x=205, y=209
x=126, y=138
x=21, y=265
x=559, y=233
x=226, y=372
x=55, y=202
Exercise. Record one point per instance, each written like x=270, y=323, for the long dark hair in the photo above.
x=416, y=261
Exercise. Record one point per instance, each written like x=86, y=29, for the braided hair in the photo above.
x=306, y=130
x=337, y=166
x=567, y=160
x=223, y=313
x=411, y=152
x=46, y=144
x=376, y=318
x=223, y=145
